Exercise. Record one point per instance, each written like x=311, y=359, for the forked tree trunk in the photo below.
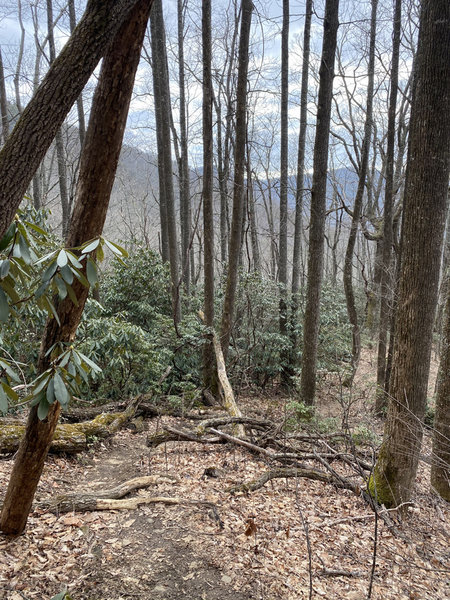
x=46, y=111
x=239, y=168
x=318, y=205
x=425, y=203
x=98, y=166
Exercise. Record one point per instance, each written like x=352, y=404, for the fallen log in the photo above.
x=70, y=437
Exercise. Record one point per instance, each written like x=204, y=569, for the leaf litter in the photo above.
x=257, y=551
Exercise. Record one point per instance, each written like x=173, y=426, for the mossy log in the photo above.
x=69, y=437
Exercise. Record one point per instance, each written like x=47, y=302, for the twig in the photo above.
x=308, y=541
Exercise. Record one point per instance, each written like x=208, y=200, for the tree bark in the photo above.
x=318, y=205
x=425, y=202
x=98, y=166
x=386, y=279
x=45, y=113
x=239, y=168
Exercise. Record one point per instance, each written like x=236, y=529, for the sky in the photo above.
x=266, y=36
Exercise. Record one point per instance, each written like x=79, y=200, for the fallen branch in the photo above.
x=84, y=501
x=283, y=473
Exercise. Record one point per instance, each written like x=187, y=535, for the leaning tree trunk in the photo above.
x=357, y=208
x=388, y=232
x=97, y=170
x=46, y=111
x=318, y=205
x=239, y=168
x=425, y=203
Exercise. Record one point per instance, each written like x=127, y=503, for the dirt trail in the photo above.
x=147, y=554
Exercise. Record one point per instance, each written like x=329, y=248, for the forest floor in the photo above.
x=258, y=551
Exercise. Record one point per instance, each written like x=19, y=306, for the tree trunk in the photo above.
x=165, y=166
x=357, y=207
x=425, y=202
x=3, y=102
x=318, y=205
x=286, y=371
x=185, y=194
x=46, y=111
x=388, y=234
x=440, y=465
x=80, y=107
x=98, y=166
x=60, y=158
x=296, y=260
x=238, y=188
x=209, y=366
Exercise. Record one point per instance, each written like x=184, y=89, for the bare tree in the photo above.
x=388, y=233
x=318, y=204
x=238, y=183
x=357, y=206
x=209, y=376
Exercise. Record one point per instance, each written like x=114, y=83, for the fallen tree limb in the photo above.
x=283, y=473
x=170, y=434
x=84, y=501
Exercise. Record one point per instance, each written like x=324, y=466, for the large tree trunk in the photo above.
x=45, y=113
x=388, y=232
x=318, y=205
x=99, y=162
x=357, y=207
x=425, y=202
x=238, y=188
